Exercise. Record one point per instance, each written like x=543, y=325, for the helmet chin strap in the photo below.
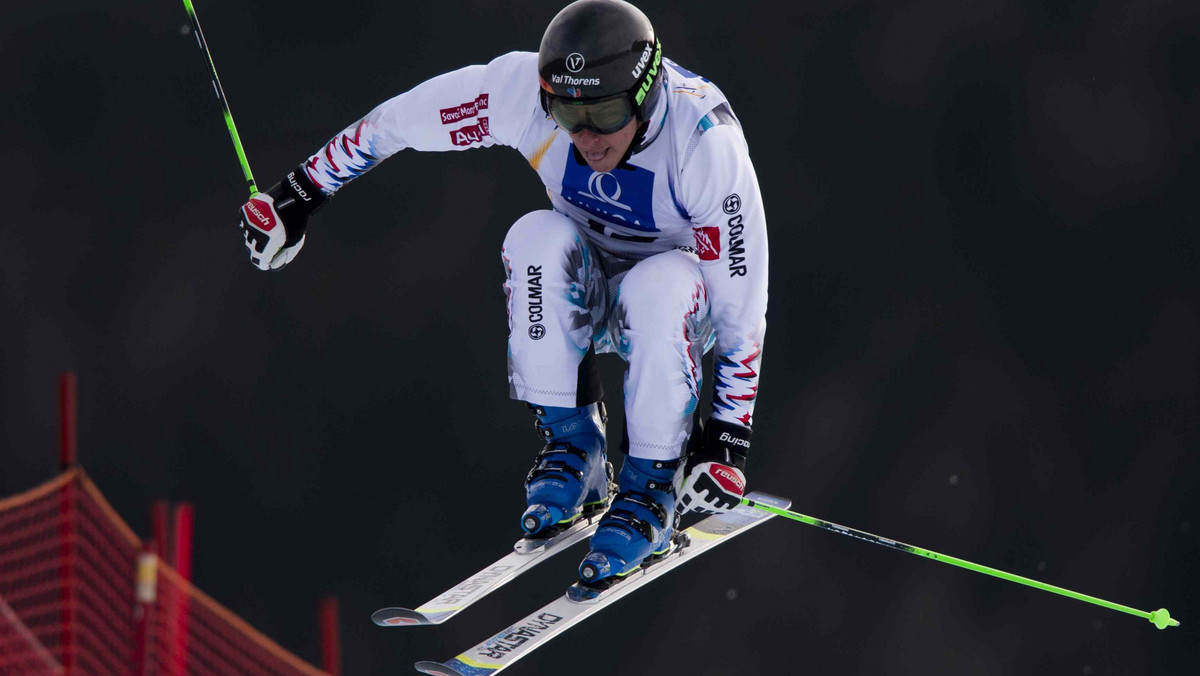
x=635, y=145
x=640, y=142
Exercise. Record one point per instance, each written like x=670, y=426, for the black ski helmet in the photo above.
x=597, y=49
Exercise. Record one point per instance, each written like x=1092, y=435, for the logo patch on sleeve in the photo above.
x=708, y=243
x=471, y=134
x=464, y=110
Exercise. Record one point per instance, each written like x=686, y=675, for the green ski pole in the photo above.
x=1159, y=618
x=212, y=71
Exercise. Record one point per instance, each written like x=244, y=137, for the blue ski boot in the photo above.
x=638, y=527
x=571, y=477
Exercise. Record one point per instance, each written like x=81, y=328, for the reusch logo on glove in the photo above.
x=259, y=212
x=728, y=479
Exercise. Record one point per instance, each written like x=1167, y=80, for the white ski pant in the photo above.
x=568, y=298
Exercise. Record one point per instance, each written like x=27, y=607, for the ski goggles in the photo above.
x=602, y=116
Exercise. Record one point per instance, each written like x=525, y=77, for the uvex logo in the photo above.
x=641, y=64
x=645, y=88
x=265, y=222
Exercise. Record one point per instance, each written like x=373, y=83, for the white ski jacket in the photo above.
x=689, y=184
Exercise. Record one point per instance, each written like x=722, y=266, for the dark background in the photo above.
x=983, y=330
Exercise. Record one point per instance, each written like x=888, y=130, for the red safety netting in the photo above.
x=69, y=571
x=20, y=652
x=195, y=635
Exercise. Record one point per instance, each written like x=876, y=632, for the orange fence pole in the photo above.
x=147, y=592
x=181, y=560
x=145, y=588
x=67, y=451
x=331, y=639
x=66, y=509
x=158, y=528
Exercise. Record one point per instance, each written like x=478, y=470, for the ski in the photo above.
x=514, y=642
x=526, y=554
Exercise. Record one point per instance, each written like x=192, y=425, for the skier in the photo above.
x=654, y=247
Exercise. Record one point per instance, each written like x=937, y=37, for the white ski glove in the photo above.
x=273, y=222
x=266, y=235
x=714, y=476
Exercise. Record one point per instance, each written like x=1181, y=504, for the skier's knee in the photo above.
x=540, y=232
x=659, y=293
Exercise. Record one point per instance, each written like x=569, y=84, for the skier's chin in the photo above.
x=605, y=163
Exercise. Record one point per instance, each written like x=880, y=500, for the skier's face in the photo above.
x=603, y=152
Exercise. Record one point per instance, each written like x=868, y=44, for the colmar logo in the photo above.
x=535, y=294
x=728, y=479
x=259, y=212
x=708, y=243
x=737, y=247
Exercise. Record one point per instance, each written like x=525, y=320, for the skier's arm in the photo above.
x=472, y=107
x=476, y=106
x=721, y=192
x=727, y=210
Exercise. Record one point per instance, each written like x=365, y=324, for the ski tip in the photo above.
x=437, y=668
x=398, y=617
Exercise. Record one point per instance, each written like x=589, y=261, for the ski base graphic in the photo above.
x=525, y=555
x=514, y=642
